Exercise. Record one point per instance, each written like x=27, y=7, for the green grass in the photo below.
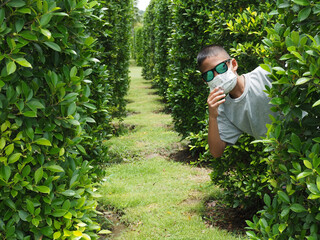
x=159, y=198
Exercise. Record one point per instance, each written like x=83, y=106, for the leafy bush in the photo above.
x=292, y=209
x=148, y=42
x=138, y=45
x=49, y=118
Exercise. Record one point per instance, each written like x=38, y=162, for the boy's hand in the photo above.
x=215, y=98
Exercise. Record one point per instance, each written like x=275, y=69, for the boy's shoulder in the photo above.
x=259, y=73
x=260, y=70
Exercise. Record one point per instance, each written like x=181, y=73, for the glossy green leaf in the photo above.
x=284, y=197
x=23, y=62
x=30, y=206
x=267, y=200
x=71, y=109
x=70, y=97
x=47, y=231
x=81, y=148
x=55, y=168
x=73, y=71
x=295, y=141
x=45, y=19
x=266, y=67
x=308, y=164
x=11, y=67
x=316, y=161
x=284, y=5
x=302, y=80
x=46, y=33
x=35, y=104
x=43, y=189
x=28, y=35
x=105, y=232
x=35, y=222
x=6, y=173
x=317, y=103
x=59, y=212
x=74, y=122
x=19, y=24
x=10, y=203
x=16, y=3
x=57, y=235
x=304, y=174
x=53, y=46
x=277, y=101
x=313, y=196
x=302, y=2
x=2, y=84
x=304, y=14
x=24, y=10
x=43, y=141
x=23, y=215
x=318, y=182
x=296, y=207
x=31, y=114
x=313, y=188
x=68, y=193
x=14, y=158
x=38, y=175
x=89, y=105
x=286, y=57
x=2, y=143
x=282, y=227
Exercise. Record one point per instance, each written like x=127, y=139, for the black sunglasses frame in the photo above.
x=214, y=70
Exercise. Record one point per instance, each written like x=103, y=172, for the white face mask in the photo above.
x=227, y=81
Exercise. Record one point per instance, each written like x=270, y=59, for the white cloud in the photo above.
x=142, y=4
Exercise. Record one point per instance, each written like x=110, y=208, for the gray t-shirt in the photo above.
x=250, y=112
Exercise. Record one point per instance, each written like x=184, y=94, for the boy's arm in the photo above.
x=216, y=145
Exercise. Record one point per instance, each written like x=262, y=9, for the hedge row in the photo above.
x=62, y=80
x=282, y=171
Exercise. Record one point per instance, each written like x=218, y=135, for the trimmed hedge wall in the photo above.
x=281, y=171
x=58, y=93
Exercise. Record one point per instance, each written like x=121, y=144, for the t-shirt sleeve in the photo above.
x=229, y=133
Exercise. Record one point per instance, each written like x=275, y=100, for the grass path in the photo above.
x=159, y=198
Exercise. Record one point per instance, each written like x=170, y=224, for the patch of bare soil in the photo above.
x=218, y=214
x=111, y=220
x=183, y=156
x=122, y=128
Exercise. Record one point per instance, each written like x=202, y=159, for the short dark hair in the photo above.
x=210, y=51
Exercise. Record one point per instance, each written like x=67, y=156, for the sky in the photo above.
x=142, y=4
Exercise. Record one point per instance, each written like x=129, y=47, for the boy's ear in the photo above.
x=234, y=64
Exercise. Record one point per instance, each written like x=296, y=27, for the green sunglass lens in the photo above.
x=209, y=76
x=222, y=68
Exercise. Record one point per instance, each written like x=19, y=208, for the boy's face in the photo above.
x=212, y=61
x=214, y=65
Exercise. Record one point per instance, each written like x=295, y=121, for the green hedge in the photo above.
x=283, y=169
x=138, y=45
x=292, y=209
x=54, y=106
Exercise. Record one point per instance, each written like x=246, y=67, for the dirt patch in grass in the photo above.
x=111, y=220
x=219, y=215
x=183, y=156
x=119, y=129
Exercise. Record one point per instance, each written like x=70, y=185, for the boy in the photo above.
x=237, y=104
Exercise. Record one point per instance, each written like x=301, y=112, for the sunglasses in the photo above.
x=220, y=68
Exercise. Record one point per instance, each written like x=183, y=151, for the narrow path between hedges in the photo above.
x=155, y=196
